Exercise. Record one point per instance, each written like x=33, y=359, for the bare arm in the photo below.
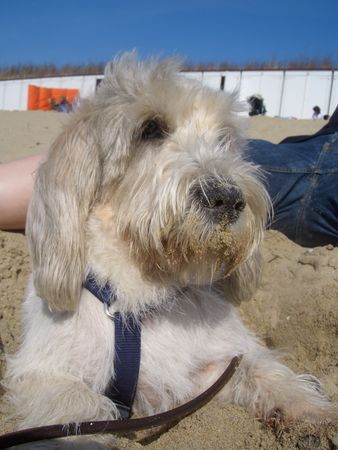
x=16, y=187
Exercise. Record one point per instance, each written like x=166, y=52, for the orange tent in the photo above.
x=39, y=97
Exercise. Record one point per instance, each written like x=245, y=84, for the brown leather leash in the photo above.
x=121, y=426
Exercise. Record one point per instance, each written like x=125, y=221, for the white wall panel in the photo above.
x=317, y=92
x=232, y=81
x=71, y=82
x=334, y=94
x=271, y=90
x=2, y=95
x=193, y=75
x=89, y=85
x=212, y=79
x=13, y=90
x=293, y=95
x=24, y=94
x=50, y=82
x=250, y=84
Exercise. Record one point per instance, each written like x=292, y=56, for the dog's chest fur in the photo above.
x=186, y=331
x=185, y=346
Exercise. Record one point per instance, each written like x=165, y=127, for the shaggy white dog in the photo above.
x=147, y=189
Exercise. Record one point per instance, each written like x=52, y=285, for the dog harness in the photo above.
x=122, y=387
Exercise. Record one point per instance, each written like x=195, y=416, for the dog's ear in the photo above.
x=244, y=281
x=65, y=188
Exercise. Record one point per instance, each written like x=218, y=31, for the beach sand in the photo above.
x=294, y=311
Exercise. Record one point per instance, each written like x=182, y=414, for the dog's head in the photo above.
x=162, y=155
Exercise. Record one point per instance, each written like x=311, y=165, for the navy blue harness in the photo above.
x=122, y=386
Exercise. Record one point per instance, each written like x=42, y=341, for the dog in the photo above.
x=148, y=189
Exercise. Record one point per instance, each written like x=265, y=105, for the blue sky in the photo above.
x=237, y=31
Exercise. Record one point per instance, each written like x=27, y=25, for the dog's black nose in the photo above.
x=220, y=199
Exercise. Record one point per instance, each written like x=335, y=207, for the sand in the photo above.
x=294, y=310
x=27, y=133
x=274, y=130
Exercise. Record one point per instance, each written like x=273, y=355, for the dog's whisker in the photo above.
x=204, y=193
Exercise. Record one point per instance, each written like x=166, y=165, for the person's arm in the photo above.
x=16, y=187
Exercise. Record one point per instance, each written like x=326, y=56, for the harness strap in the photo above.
x=122, y=387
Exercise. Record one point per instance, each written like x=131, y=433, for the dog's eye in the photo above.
x=152, y=129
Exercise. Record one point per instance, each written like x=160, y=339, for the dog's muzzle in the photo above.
x=220, y=199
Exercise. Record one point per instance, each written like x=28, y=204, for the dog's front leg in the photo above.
x=44, y=399
x=265, y=386
x=59, y=374
x=262, y=383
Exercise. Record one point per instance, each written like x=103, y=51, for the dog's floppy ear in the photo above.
x=244, y=281
x=66, y=185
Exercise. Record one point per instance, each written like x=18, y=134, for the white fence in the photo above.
x=286, y=93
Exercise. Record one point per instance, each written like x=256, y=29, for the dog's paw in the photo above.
x=306, y=401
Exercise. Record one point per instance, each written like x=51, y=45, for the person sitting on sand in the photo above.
x=301, y=176
x=64, y=105
x=52, y=103
x=257, y=107
x=316, y=113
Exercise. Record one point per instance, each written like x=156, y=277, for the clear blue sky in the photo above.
x=238, y=31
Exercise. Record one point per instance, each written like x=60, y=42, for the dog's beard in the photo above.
x=195, y=251
x=209, y=252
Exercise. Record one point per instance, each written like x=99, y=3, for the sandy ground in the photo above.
x=27, y=133
x=295, y=310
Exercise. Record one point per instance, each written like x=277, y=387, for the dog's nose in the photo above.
x=221, y=199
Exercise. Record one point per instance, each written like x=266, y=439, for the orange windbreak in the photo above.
x=40, y=97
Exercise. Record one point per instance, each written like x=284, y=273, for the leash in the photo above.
x=121, y=426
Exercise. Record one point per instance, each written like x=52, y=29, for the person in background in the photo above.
x=257, y=107
x=64, y=105
x=301, y=176
x=16, y=188
x=53, y=105
x=316, y=113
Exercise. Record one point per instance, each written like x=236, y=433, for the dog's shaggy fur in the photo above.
x=147, y=188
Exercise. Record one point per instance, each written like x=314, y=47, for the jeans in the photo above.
x=302, y=180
